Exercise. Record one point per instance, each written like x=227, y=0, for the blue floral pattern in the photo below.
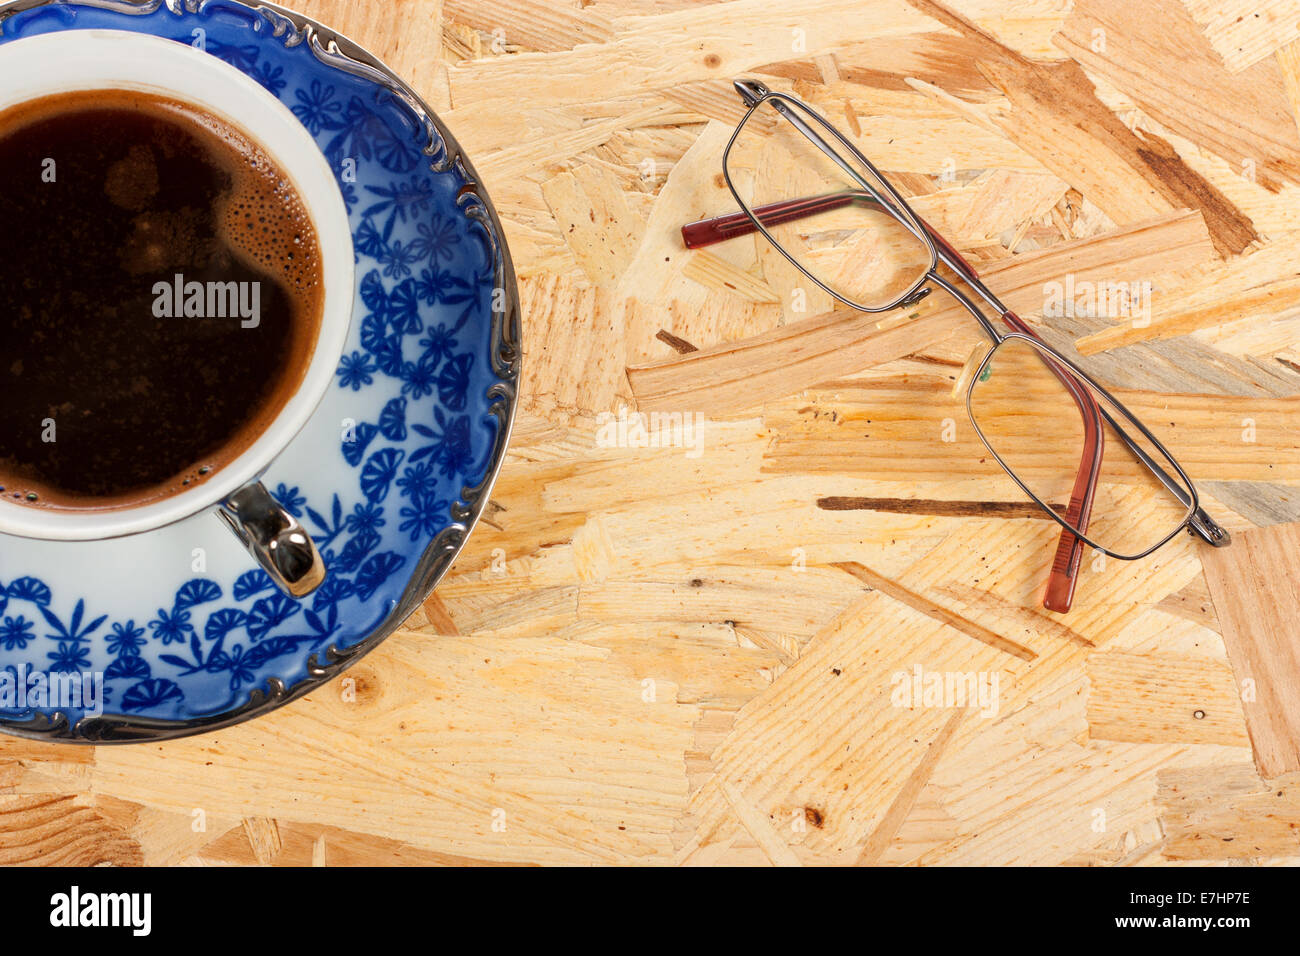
x=376, y=476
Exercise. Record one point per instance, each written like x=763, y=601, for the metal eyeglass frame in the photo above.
x=1079, y=384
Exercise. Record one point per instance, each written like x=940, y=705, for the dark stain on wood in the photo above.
x=679, y=345
x=936, y=507
x=1230, y=230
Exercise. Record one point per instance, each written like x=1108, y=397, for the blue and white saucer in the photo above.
x=390, y=475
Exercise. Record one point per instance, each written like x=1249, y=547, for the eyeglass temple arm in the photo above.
x=707, y=232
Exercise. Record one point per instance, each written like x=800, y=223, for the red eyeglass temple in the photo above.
x=1059, y=595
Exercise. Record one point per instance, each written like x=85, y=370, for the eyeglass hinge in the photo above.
x=1207, y=529
x=751, y=91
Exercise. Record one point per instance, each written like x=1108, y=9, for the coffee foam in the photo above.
x=263, y=219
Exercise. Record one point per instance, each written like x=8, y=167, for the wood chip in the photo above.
x=1255, y=585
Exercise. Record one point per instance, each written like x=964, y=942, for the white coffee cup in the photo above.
x=74, y=60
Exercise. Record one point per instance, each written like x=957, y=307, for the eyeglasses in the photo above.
x=1069, y=444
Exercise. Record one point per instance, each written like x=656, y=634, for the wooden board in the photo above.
x=721, y=645
x=1256, y=590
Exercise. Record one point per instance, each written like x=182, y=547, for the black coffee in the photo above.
x=162, y=288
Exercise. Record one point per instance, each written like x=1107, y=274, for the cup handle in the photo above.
x=275, y=539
